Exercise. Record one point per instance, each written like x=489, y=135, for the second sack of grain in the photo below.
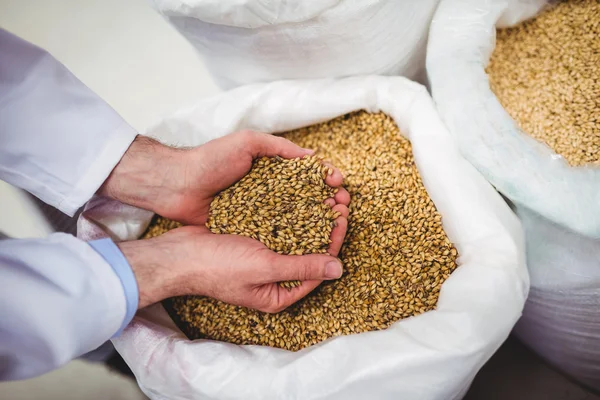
x=531, y=125
x=251, y=41
x=432, y=355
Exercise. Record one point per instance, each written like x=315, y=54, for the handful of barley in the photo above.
x=280, y=203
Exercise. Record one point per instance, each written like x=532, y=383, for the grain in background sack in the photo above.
x=252, y=41
x=431, y=356
x=559, y=205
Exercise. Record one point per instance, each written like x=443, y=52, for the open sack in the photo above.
x=432, y=356
x=253, y=41
x=559, y=205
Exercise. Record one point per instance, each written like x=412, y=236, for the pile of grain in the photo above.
x=396, y=254
x=546, y=74
x=281, y=203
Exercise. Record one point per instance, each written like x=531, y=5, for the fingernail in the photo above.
x=309, y=151
x=333, y=270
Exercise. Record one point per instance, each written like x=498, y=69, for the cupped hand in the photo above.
x=234, y=269
x=220, y=163
x=181, y=183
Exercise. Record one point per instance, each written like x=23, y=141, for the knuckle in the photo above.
x=307, y=270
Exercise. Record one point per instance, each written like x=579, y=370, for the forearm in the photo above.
x=61, y=297
x=163, y=266
x=59, y=140
x=147, y=260
x=58, y=300
x=146, y=176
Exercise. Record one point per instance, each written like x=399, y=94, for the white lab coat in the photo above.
x=59, y=298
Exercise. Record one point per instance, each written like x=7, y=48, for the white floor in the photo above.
x=141, y=66
x=78, y=380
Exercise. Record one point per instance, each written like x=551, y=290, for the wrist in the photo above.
x=108, y=250
x=154, y=270
x=145, y=176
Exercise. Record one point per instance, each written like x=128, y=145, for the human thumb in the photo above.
x=309, y=267
x=271, y=146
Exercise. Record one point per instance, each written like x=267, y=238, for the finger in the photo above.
x=286, y=297
x=338, y=233
x=342, y=209
x=302, y=268
x=342, y=197
x=335, y=178
x=265, y=145
x=330, y=202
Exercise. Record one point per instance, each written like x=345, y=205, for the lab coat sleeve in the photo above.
x=60, y=297
x=58, y=140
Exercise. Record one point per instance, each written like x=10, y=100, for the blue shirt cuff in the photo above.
x=111, y=253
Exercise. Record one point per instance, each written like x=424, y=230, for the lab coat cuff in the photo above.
x=89, y=183
x=113, y=256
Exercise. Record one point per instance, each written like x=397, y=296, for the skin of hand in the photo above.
x=234, y=269
x=180, y=184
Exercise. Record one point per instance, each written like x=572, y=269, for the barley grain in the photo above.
x=546, y=74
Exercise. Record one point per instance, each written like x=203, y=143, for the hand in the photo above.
x=234, y=269
x=180, y=183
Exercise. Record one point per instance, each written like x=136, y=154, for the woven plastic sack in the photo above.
x=432, y=356
x=559, y=205
x=253, y=41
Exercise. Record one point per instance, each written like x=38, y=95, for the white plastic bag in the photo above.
x=559, y=205
x=431, y=356
x=253, y=41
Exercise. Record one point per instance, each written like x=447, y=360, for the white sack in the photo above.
x=431, y=356
x=559, y=205
x=249, y=41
